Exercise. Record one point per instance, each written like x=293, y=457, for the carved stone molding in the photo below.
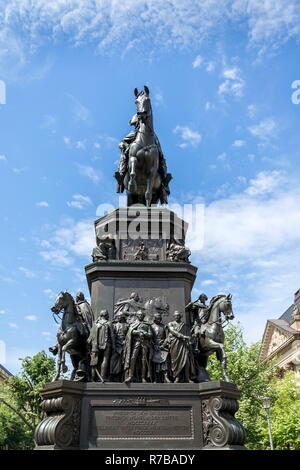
x=220, y=427
x=61, y=427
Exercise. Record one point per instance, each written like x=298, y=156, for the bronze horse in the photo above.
x=209, y=336
x=143, y=181
x=69, y=338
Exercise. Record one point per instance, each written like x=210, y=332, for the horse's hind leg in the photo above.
x=58, y=364
x=153, y=167
x=221, y=356
x=132, y=173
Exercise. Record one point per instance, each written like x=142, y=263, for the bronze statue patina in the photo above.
x=177, y=251
x=85, y=313
x=102, y=343
x=160, y=353
x=208, y=333
x=120, y=328
x=198, y=309
x=179, y=343
x=71, y=338
x=137, y=350
x=105, y=250
x=129, y=306
x=142, y=169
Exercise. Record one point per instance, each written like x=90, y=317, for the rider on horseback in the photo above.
x=124, y=146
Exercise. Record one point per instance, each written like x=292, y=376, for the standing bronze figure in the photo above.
x=120, y=328
x=137, y=347
x=160, y=353
x=102, y=343
x=179, y=343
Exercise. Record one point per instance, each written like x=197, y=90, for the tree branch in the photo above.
x=17, y=412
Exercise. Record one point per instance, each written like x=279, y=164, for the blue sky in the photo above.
x=220, y=76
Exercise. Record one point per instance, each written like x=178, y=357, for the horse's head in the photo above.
x=227, y=307
x=61, y=302
x=143, y=104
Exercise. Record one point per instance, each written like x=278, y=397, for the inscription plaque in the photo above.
x=132, y=423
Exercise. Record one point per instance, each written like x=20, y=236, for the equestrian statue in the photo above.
x=142, y=168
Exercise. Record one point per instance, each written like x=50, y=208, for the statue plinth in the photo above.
x=116, y=416
x=142, y=261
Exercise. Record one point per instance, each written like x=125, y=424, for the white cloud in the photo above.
x=42, y=204
x=158, y=98
x=80, y=112
x=49, y=121
x=197, y=62
x=3, y=158
x=251, y=110
x=239, y=143
x=188, y=136
x=209, y=106
x=265, y=183
x=267, y=129
x=246, y=226
x=2, y=312
x=49, y=293
x=12, y=325
x=78, y=237
x=69, y=240
x=57, y=257
x=46, y=333
x=31, y=317
x=114, y=26
x=79, y=201
x=222, y=156
x=210, y=67
x=89, y=172
x=80, y=144
x=27, y=272
x=233, y=84
x=208, y=282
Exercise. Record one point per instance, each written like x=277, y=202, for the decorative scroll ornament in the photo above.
x=62, y=425
x=220, y=427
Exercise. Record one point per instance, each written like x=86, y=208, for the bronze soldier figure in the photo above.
x=137, y=345
x=120, y=328
x=84, y=312
x=198, y=309
x=159, y=355
x=102, y=343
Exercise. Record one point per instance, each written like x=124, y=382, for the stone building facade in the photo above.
x=281, y=339
x=4, y=374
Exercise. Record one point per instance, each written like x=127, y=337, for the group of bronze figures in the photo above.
x=135, y=348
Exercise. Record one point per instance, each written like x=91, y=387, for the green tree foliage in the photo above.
x=284, y=413
x=20, y=409
x=252, y=378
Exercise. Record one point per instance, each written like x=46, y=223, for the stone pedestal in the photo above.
x=115, y=416
x=152, y=278
x=110, y=281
